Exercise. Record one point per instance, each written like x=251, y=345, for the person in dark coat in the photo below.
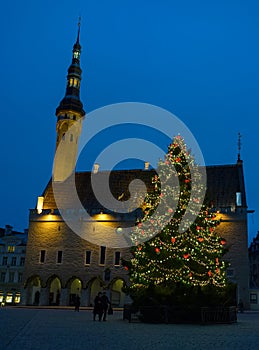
x=77, y=303
x=105, y=304
x=98, y=306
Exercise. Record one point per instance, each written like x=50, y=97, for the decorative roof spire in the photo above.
x=78, y=32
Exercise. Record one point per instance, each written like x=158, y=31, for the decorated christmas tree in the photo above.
x=176, y=242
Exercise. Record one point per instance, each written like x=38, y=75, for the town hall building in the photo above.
x=60, y=264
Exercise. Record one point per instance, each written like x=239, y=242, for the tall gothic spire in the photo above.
x=70, y=114
x=71, y=102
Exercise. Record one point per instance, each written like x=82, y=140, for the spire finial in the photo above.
x=239, y=146
x=78, y=33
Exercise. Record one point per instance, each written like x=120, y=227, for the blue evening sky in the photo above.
x=197, y=59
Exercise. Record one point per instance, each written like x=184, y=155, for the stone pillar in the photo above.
x=64, y=297
x=44, y=296
x=84, y=297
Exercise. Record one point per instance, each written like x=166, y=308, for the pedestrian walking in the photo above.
x=241, y=306
x=105, y=303
x=98, y=307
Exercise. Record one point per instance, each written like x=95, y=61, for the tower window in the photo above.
x=71, y=137
x=102, y=255
x=59, y=257
x=76, y=54
x=117, y=258
x=88, y=257
x=42, y=256
x=63, y=136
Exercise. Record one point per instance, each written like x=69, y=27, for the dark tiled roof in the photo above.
x=223, y=182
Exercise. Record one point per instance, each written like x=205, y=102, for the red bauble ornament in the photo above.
x=157, y=250
x=186, y=256
x=173, y=239
x=209, y=273
x=223, y=241
x=211, y=229
x=126, y=268
x=200, y=239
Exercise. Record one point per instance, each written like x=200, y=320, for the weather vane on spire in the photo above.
x=79, y=24
x=239, y=146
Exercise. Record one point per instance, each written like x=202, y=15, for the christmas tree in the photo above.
x=167, y=251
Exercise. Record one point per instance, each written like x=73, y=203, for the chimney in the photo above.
x=8, y=229
x=40, y=204
x=96, y=168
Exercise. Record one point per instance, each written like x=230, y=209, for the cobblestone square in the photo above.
x=54, y=329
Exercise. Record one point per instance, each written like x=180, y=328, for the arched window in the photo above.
x=71, y=137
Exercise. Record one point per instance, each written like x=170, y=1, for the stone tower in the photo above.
x=70, y=114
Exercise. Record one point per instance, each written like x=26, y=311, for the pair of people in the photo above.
x=101, y=303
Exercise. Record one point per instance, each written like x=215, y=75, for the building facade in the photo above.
x=12, y=261
x=254, y=273
x=61, y=264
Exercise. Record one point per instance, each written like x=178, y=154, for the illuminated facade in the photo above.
x=12, y=260
x=61, y=265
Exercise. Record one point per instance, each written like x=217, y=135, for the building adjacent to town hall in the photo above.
x=12, y=260
x=60, y=264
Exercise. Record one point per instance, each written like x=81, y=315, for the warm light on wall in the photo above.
x=40, y=204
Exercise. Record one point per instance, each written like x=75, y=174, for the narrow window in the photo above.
x=11, y=277
x=59, y=257
x=11, y=249
x=4, y=260
x=63, y=136
x=88, y=257
x=3, y=276
x=22, y=261
x=117, y=258
x=20, y=277
x=13, y=262
x=102, y=255
x=42, y=256
x=71, y=137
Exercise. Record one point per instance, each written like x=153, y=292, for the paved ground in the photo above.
x=50, y=329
